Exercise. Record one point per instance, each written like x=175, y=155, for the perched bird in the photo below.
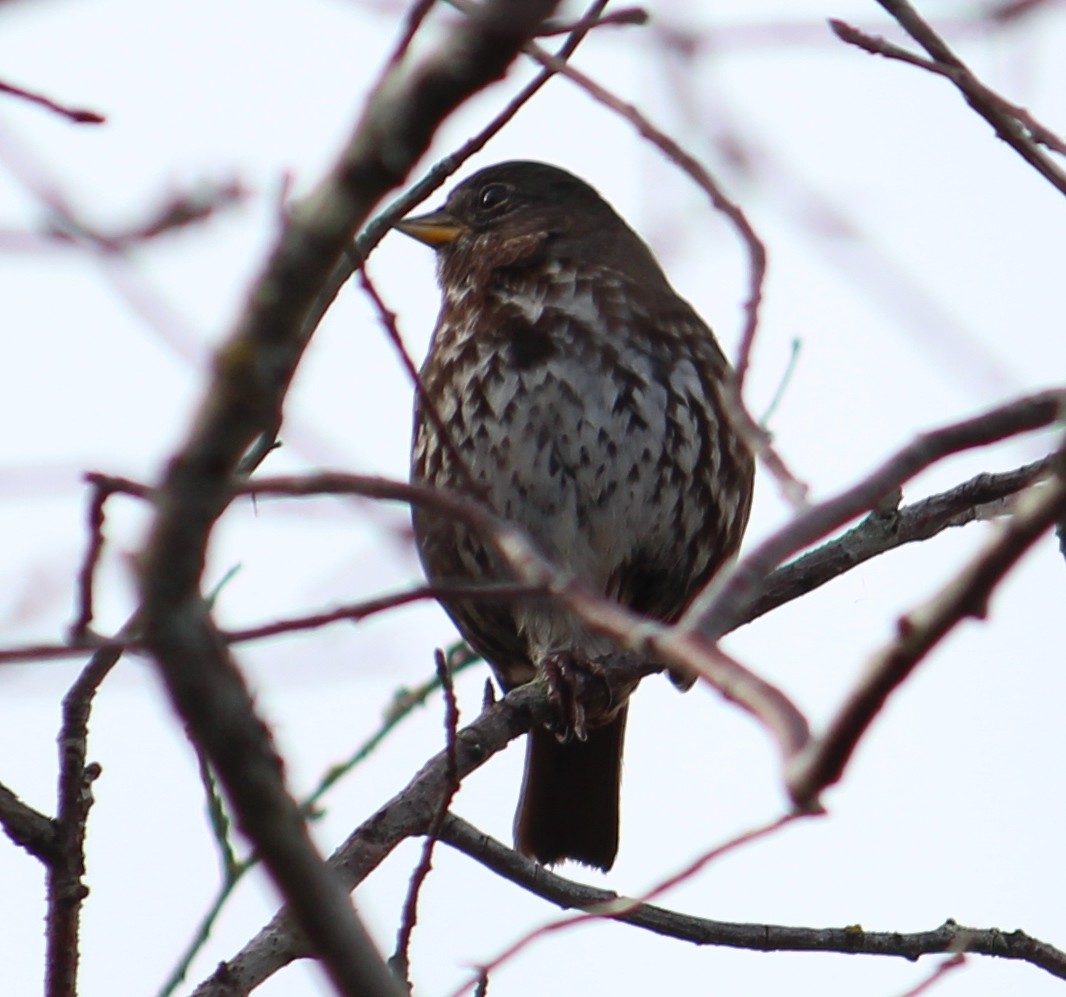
x=581, y=398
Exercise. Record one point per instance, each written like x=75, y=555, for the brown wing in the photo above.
x=488, y=627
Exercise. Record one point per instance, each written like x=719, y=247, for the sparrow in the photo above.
x=572, y=390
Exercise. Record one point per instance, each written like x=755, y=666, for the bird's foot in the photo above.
x=566, y=673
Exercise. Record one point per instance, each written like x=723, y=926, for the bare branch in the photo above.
x=28, y=828
x=671, y=646
x=982, y=496
x=794, y=490
x=879, y=533
x=79, y=115
x=376, y=228
x=65, y=887
x=957, y=961
x=353, y=612
x=620, y=906
x=570, y=895
x=411, y=812
x=620, y=17
x=728, y=599
x=919, y=631
x=1013, y=125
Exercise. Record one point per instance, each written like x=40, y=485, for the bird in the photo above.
x=571, y=389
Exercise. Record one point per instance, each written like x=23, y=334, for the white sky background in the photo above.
x=938, y=296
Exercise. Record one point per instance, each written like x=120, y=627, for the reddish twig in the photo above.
x=624, y=16
x=621, y=906
x=79, y=115
x=1014, y=10
x=1019, y=130
x=361, y=610
x=876, y=45
x=957, y=961
x=794, y=490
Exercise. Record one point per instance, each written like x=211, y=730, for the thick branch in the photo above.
x=729, y=598
x=412, y=811
x=252, y=374
x=879, y=532
x=569, y=895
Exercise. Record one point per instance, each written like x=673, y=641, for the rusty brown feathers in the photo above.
x=582, y=400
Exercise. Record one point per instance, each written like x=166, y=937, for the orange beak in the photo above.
x=436, y=229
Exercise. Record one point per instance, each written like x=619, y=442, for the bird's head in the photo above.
x=523, y=214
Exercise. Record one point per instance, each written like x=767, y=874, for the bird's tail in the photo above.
x=570, y=796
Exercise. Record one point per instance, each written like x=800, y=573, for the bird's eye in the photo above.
x=494, y=196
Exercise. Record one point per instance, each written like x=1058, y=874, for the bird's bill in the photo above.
x=438, y=228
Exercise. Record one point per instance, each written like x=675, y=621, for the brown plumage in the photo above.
x=582, y=397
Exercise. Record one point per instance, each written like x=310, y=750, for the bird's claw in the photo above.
x=565, y=673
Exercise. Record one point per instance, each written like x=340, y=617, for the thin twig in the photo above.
x=79, y=115
x=676, y=647
x=783, y=383
x=403, y=704
x=794, y=490
x=353, y=612
x=387, y=320
x=375, y=230
x=65, y=887
x=412, y=811
x=622, y=16
x=878, y=533
x=957, y=961
x=1013, y=125
x=620, y=906
x=400, y=962
x=87, y=571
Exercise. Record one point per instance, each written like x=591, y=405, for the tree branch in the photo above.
x=728, y=599
x=570, y=895
x=65, y=887
x=879, y=533
x=28, y=828
x=1012, y=124
x=412, y=811
x=251, y=377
